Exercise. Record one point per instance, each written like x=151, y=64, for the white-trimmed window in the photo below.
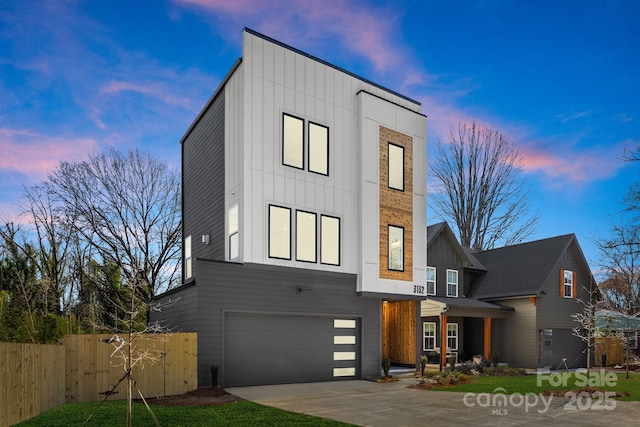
x=234, y=250
x=396, y=167
x=188, y=262
x=279, y=232
x=396, y=248
x=568, y=284
x=452, y=336
x=306, y=236
x=329, y=240
x=292, y=141
x=318, y=149
x=431, y=280
x=429, y=336
x=452, y=283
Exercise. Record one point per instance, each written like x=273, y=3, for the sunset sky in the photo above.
x=560, y=78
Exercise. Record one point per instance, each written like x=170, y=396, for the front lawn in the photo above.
x=114, y=413
x=529, y=384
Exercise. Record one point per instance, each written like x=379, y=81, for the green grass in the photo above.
x=529, y=384
x=243, y=413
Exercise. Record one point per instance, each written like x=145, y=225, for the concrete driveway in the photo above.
x=394, y=404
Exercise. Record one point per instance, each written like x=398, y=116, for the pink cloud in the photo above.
x=361, y=29
x=34, y=155
x=569, y=165
x=153, y=90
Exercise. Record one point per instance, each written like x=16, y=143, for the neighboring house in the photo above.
x=303, y=214
x=610, y=322
x=512, y=303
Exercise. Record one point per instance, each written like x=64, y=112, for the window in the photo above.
x=452, y=336
x=188, y=267
x=234, y=252
x=329, y=240
x=279, y=232
x=396, y=167
x=396, y=248
x=431, y=280
x=305, y=236
x=452, y=283
x=292, y=141
x=429, y=333
x=568, y=284
x=318, y=149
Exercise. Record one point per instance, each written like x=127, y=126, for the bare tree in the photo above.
x=478, y=188
x=128, y=208
x=586, y=318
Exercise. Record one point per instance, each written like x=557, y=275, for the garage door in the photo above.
x=279, y=348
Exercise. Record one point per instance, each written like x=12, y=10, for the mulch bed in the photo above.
x=206, y=396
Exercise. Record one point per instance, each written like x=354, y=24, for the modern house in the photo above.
x=303, y=221
x=512, y=303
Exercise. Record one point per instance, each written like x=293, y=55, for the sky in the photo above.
x=559, y=78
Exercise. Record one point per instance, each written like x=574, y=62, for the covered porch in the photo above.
x=458, y=328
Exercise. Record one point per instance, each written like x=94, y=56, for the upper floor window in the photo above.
x=279, y=232
x=329, y=240
x=318, y=149
x=431, y=280
x=429, y=336
x=188, y=262
x=396, y=167
x=396, y=248
x=568, y=285
x=452, y=283
x=292, y=141
x=305, y=236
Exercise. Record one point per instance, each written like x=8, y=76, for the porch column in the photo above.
x=487, y=338
x=443, y=341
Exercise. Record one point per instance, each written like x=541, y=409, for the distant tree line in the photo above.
x=97, y=240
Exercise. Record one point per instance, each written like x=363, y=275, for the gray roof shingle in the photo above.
x=518, y=270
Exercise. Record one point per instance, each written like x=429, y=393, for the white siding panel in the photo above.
x=279, y=65
x=290, y=69
x=258, y=218
x=329, y=200
x=268, y=61
x=310, y=196
x=419, y=166
x=269, y=135
x=258, y=104
x=309, y=109
x=370, y=151
x=278, y=188
x=310, y=76
x=370, y=223
x=320, y=72
x=300, y=70
x=256, y=65
x=300, y=196
x=329, y=87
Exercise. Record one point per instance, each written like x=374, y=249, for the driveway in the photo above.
x=394, y=404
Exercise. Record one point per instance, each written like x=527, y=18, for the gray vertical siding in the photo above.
x=203, y=209
x=227, y=287
x=514, y=338
x=442, y=256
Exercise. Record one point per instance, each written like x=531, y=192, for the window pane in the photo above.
x=305, y=236
x=431, y=281
x=396, y=167
x=279, y=232
x=318, y=149
x=330, y=241
x=293, y=142
x=233, y=247
x=396, y=248
x=188, y=272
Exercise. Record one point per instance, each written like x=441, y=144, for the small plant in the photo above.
x=423, y=364
x=386, y=365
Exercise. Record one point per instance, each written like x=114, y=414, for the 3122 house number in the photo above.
x=418, y=290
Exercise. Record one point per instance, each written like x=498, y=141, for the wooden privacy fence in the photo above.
x=35, y=377
x=31, y=380
x=614, y=348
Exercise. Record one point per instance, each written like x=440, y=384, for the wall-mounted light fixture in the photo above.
x=205, y=239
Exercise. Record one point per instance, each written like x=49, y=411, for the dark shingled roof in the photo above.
x=519, y=270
